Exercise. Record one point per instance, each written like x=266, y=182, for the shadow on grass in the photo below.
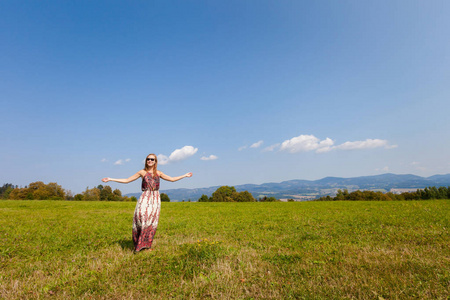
x=126, y=244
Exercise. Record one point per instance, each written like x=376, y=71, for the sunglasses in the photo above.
x=152, y=159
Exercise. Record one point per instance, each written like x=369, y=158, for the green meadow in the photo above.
x=295, y=250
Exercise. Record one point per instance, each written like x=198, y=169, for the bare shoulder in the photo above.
x=142, y=172
x=159, y=173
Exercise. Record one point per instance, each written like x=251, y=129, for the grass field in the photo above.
x=306, y=250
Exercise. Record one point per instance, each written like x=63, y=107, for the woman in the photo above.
x=148, y=207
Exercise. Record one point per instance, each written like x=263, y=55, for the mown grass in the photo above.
x=307, y=250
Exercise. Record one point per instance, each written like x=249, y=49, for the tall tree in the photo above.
x=117, y=195
x=203, y=198
x=224, y=194
x=91, y=194
x=106, y=193
x=244, y=196
x=164, y=197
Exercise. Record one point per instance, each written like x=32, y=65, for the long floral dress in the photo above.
x=146, y=214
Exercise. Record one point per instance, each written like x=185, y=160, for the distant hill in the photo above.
x=310, y=189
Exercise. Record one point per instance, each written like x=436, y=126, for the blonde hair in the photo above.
x=155, y=166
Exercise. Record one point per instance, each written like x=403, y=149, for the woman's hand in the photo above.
x=188, y=174
x=106, y=179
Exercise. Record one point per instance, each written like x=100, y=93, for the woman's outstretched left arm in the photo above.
x=172, y=179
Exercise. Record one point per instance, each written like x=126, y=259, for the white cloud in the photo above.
x=183, y=153
x=162, y=159
x=119, y=162
x=211, y=157
x=104, y=160
x=257, y=144
x=325, y=145
x=303, y=143
x=254, y=145
x=177, y=155
x=367, y=144
x=271, y=147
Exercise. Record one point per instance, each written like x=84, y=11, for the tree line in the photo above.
x=229, y=194
x=52, y=191
x=34, y=191
x=420, y=194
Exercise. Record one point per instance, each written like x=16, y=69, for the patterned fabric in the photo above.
x=146, y=214
x=150, y=183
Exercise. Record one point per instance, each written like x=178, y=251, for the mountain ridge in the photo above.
x=301, y=189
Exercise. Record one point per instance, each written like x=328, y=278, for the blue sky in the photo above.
x=234, y=91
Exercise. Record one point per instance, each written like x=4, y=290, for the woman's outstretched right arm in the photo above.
x=127, y=180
